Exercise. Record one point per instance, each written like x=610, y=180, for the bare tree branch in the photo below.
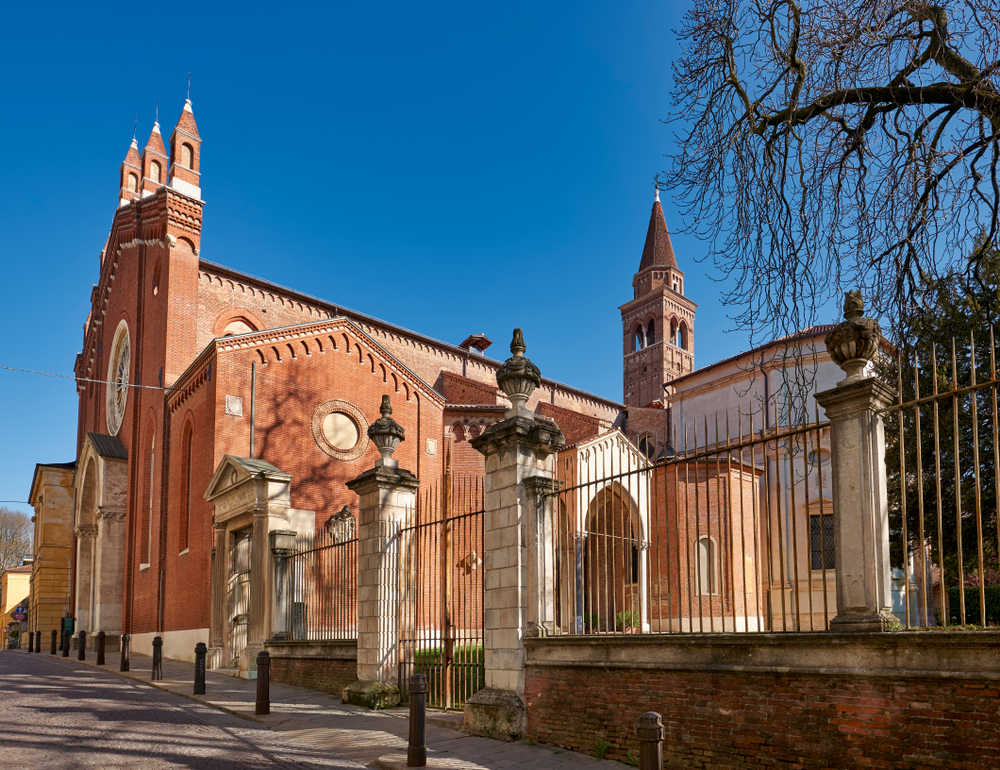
x=16, y=537
x=837, y=144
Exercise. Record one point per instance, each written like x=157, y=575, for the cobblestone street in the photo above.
x=54, y=715
x=61, y=713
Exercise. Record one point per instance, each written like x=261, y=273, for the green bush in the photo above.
x=468, y=675
x=972, y=605
x=627, y=619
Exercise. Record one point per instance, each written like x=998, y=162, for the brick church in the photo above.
x=186, y=363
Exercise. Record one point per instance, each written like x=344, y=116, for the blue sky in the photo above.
x=451, y=168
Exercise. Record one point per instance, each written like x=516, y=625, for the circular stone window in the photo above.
x=340, y=429
x=117, y=381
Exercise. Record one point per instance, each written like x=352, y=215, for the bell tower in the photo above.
x=658, y=324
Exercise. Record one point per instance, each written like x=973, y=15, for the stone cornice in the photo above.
x=109, y=512
x=383, y=478
x=543, y=438
x=870, y=395
x=542, y=485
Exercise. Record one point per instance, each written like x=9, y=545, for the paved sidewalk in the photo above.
x=375, y=738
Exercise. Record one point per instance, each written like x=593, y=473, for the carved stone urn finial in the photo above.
x=518, y=377
x=855, y=340
x=386, y=434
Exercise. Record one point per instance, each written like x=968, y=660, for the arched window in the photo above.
x=238, y=326
x=682, y=336
x=651, y=332
x=673, y=332
x=647, y=445
x=187, y=155
x=133, y=182
x=185, y=518
x=638, y=340
x=154, y=171
x=146, y=533
x=705, y=566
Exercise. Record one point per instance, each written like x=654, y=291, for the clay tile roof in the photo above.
x=657, y=251
x=478, y=341
x=22, y=568
x=108, y=446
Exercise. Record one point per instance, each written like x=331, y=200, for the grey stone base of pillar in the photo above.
x=372, y=695
x=112, y=642
x=214, y=658
x=499, y=714
x=862, y=623
x=248, y=660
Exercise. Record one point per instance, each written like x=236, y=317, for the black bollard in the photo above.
x=650, y=732
x=31, y=641
x=200, y=650
x=416, y=752
x=65, y=643
x=38, y=641
x=157, y=658
x=55, y=635
x=82, y=653
x=101, y=640
x=263, y=683
x=123, y=666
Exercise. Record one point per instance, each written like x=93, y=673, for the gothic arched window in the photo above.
x=133, y=182
x=638, y=339
x=187, y=155
x=651, y=332
x=185, y=519
x=682, y=336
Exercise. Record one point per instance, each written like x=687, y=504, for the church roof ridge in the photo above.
x=340, y=310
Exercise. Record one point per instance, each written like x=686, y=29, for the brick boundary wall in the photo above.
x=900, y=700
x=323, y=666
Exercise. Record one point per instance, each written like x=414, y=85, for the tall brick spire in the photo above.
x=154, y=162
x=131, y=171
x=185, y=154
x=657, y=251
x=658, y=323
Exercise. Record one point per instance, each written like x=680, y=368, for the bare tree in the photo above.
x=837, y=144
x=16, y=537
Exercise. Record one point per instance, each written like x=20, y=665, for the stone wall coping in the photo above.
x=935, y=654
x=313, y=649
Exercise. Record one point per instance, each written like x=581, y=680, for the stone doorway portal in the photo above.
x=239, y=592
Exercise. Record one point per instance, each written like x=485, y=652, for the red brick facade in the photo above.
x=725, y=718
x=212, y=350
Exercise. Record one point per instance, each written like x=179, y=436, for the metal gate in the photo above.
x=239, y=591
x=441, y=586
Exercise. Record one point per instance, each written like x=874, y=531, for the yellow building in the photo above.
x=14, y=587
x=52, y=498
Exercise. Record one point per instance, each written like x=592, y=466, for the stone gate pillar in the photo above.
x=519, y=577
x=860, y=502
x=387, y=497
